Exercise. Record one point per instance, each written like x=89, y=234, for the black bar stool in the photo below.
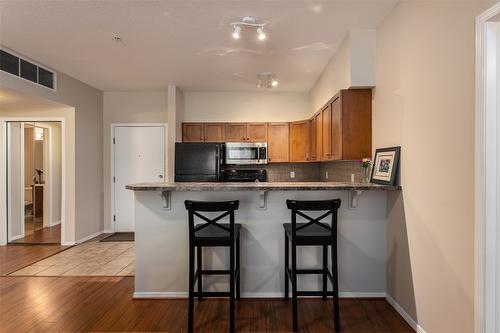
x=312, y=233
x=209, y=234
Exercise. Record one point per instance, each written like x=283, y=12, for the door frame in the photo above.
x=3, y=173
x=112, y=164
x=486, y=197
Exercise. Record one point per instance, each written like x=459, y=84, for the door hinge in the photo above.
x=114, y=179
x=114, y=218
x=114, y=141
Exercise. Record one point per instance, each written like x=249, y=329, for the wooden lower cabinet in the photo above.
x=299, y=141
x=214, y=132
x=278, y=138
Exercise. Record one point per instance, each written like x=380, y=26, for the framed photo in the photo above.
x=385, y=165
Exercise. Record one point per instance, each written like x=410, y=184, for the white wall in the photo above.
x=352, y=66
x=245, y=106
x=424, y=101
x=84, y=147
x=55, y=172
x=14, y=180
x=126, y=107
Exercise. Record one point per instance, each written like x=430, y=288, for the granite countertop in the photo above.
x=264, y=186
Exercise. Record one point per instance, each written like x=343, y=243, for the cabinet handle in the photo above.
x=269, y=160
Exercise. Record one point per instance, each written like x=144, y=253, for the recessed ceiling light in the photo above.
x=250, y=23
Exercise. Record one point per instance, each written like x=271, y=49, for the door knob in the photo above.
x=160, y=176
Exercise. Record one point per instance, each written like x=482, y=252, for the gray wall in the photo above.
x=88, y=103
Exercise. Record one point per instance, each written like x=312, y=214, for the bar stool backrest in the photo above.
x=298, y=207
x=195, y=207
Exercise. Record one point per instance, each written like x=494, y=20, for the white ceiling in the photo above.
x=187, y=43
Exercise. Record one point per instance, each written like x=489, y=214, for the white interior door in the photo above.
x=138, y=157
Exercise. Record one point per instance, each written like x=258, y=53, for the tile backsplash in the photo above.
x=338, y=171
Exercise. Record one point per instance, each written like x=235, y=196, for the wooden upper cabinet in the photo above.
x=256, y=132
x=299, y=141
x=192, y=132
x=315, y=135
x=214, y=132
x=356, y=122
x=236, y=132
x=326, y=116
x=278, y=136
x=336, y=138
x=312, y=139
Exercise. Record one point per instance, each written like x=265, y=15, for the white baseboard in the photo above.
x=68, y=243
x=84, y=239
x=54, y=223
x=183, y=294
x=405, y=315
x=108, y=231
x=12, y=238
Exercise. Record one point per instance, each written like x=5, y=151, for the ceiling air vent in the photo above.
x=17, y=66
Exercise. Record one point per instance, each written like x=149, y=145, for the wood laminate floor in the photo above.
x=39, y=235
x=14, y=257
x=105, y=304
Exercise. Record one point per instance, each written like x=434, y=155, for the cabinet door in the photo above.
x=278, y=142
x=336, y=143
x=319, y=136
x=326, y=116
x=257, y=132
x=214, y=132
x=192, y=132
x=299, y=141
x=236, y=132
x=312, y=139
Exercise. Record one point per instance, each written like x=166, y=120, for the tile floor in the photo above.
x=87, y=259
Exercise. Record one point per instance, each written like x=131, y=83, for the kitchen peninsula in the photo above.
x=162, y=236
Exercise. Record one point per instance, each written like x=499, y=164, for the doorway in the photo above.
x=487, y=172
x=34, y=182
x=138, y=155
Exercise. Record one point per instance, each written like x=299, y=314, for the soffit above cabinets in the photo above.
x=187, y=43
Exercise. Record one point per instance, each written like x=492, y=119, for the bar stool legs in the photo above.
x=238, y=292
x=191, y=290
x=294, y=289
x=287, y=267
x=199, y=266
x=336, y=305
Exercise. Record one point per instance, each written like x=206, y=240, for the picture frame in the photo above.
x=385, y=165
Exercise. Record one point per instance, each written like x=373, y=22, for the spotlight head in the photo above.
x=261, y=34
x=236, y=32
x=274, y=83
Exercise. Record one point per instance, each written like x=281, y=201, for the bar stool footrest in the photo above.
x=212, y=294
x=313, y=293
x=215, y=272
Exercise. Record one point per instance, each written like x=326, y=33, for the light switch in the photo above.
x=292, y=174
x=326, y=174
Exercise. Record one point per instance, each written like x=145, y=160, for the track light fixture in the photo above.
x=266, y=80
x=250, y=23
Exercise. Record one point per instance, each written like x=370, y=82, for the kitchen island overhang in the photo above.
x=162, y=237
